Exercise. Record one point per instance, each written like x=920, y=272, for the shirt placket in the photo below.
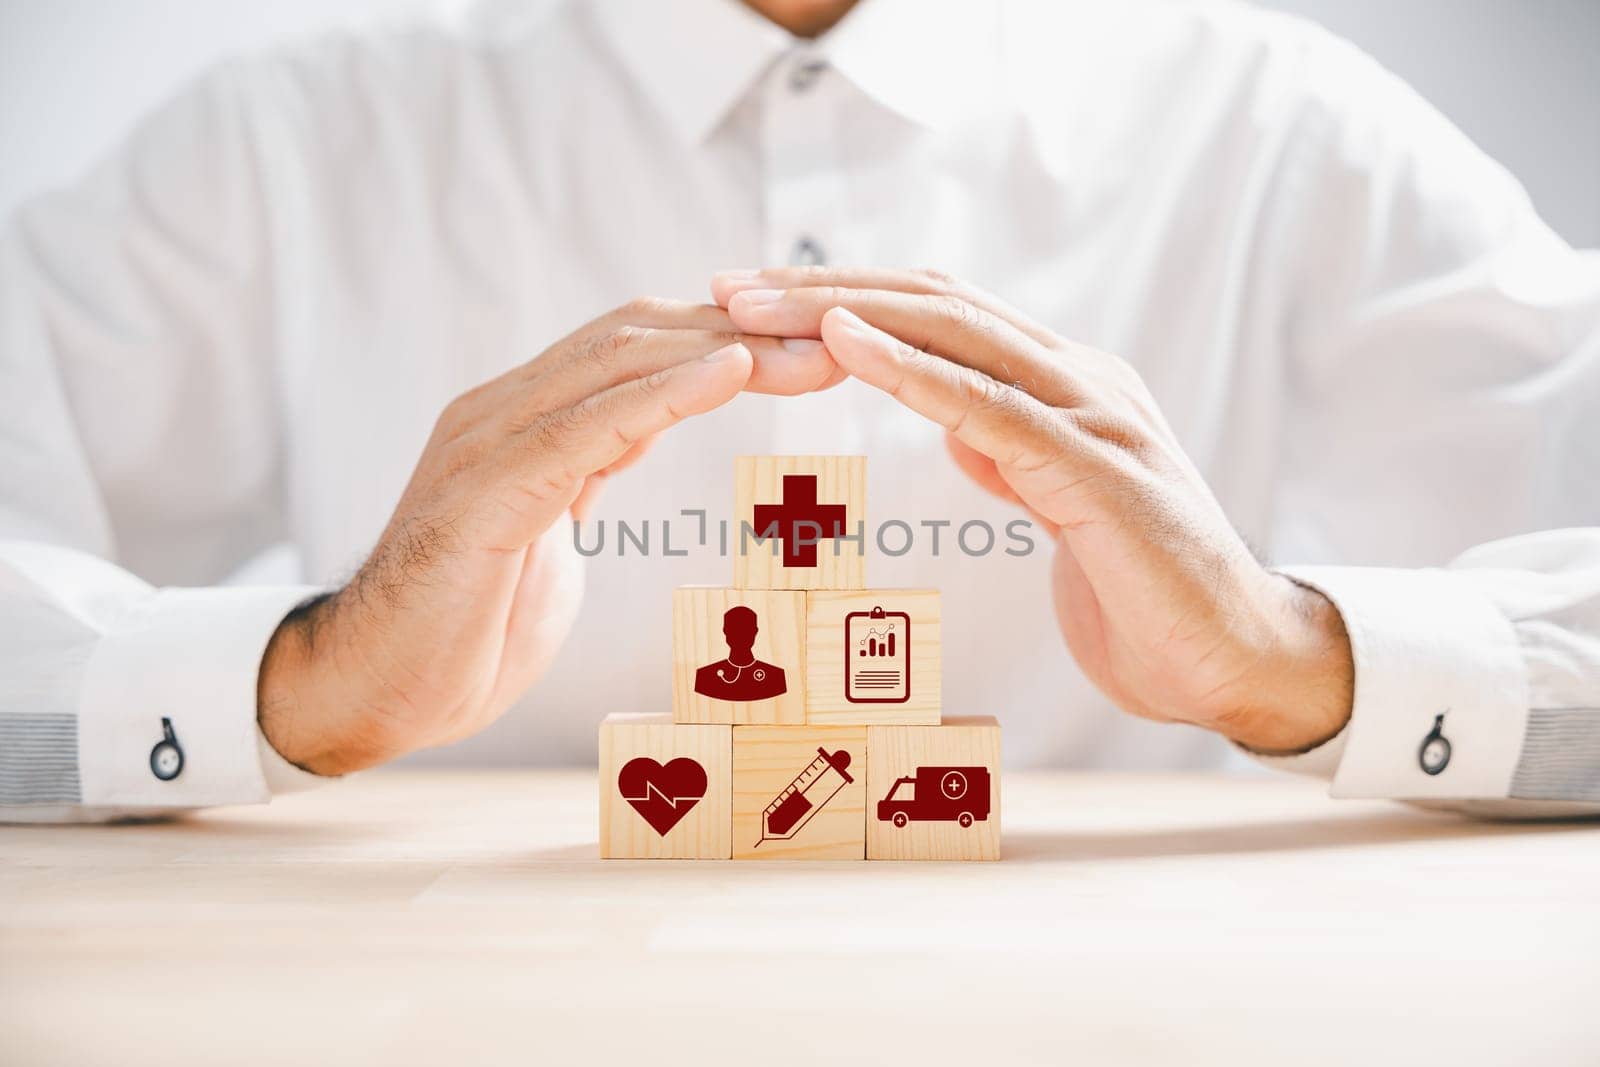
x=804, y=200
x=800, y=150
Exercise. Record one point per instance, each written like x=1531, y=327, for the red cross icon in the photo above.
x=799, y=505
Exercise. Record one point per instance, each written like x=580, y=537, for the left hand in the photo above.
x=1160, y=600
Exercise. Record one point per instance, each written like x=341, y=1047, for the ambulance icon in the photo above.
x=938, y=794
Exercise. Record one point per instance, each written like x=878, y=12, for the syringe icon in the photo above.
x=808, y=794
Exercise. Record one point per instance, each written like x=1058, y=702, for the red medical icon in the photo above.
x=807, y=794
x=799, y=511
x=938, y=794
x=662, y=794
x=877, y=657
x=740, y=676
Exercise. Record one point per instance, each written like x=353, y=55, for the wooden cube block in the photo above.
x=738, y=656
x=872, y=657
x=666, y=791
x=799, y=793
x=933, y=792
x=805, y=506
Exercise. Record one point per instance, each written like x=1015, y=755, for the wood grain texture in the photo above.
x=840, y=564
x=827, y=657
x=415, y=916
x=895, y=752
x=766, y=759
x=702, y=833
x=697, y=641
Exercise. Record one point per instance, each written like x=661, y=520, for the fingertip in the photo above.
x=848, y=337
x=704, y=384
x=789, y=366
x=844, y=322
x=725, y=283
x=728, y=353
x=732, y=363
x=843, y=317
x=775, y=312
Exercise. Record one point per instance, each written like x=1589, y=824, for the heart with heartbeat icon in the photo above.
x=663, y=794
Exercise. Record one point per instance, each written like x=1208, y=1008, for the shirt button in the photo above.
x=807, y=252
x=804, y=74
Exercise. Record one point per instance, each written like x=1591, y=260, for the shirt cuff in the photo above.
x=167, y=716
x=1441, y=690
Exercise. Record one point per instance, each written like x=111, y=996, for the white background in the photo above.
x=1522, y=77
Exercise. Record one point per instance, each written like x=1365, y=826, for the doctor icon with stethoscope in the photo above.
x=740, y=676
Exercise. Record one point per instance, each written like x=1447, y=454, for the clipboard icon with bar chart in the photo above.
x=877, y=657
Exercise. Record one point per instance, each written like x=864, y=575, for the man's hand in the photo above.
x=465, y=599
x=1160, y=600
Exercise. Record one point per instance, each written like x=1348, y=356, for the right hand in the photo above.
x=465, y=599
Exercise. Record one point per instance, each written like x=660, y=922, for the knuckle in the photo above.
x=452, y=420
x=461, y=456
x=975, y=390
x=810, y=275
x=1123, y=435
x=960, y=314
x=909, y=355
x=653, y=382
x=997, y=396
x=465, y=413
x=1116, y=372
x=542, y=438
x=554, y=431
x=644, y=307
x=612, y=345
x=938, y=279
x=653, y=389
x=547, y=482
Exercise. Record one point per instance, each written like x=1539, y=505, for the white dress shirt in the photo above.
x=221, y=353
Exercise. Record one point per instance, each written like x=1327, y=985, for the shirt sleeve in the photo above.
x=139, y=467
x=126, y=700
x=1476, y=684
x=1441, y=392
x=1440, y=345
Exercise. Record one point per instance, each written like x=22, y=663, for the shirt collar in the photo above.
x=932, y=61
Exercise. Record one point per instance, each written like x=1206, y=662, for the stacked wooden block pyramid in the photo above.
x=806, y=715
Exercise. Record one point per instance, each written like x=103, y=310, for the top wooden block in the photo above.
x=812, y=511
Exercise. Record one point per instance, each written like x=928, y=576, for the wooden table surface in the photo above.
x=410, y=917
